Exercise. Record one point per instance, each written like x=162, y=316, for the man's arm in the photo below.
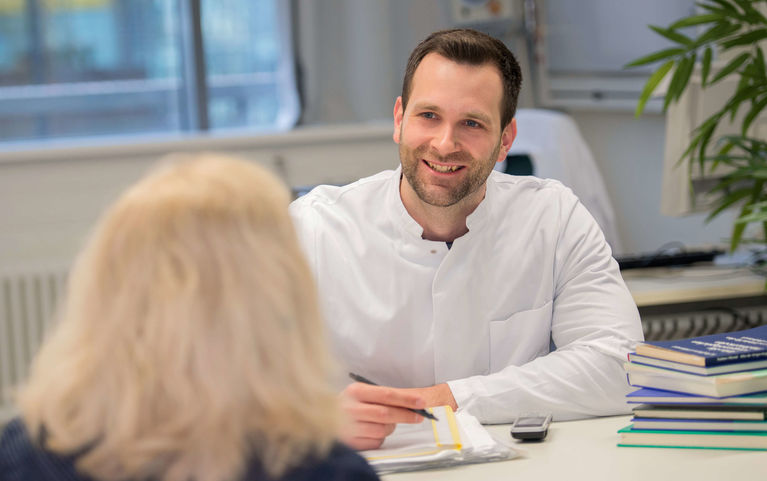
x=594, y=323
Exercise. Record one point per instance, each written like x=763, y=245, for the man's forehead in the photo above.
x=433, y=59
x=437, y=68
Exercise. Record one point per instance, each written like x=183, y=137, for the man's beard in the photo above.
x=476, y=175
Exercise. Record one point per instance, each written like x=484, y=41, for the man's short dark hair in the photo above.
x=467, y=46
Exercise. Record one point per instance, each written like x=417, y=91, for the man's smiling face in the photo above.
x=450, y=135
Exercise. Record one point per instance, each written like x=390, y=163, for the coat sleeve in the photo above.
x=594, y=324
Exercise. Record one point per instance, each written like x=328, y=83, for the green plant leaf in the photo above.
x=685, y=79
x=758, y=212
x=733, y=160
x=747, y=173
x=752, y=70
x=727, y=201
x=733, y=103
x=720, y=11
x=687, y=154
x=759, y=216
x=706, y=67
x=730, y=67
x=654, y=57
x=717, y=32
x=727, y=147
x=651, y=84
x=761, y=205
x=751, y=15
x=745, y=215
x=745, y=39
x=741, y=95
x=724, y=4
x=695, y=141
x=760, y=64
x=737, y=230
x=756, y=109
x=672, y=35
x=747, y=144
x=725, y=184
x=758, y=173
x=696, y=20
x=704, y=139
x=680, y=79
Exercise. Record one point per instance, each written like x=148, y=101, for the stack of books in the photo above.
x=702, y=392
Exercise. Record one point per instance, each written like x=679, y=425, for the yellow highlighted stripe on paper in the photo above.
x=449, y=415
x=447, y=419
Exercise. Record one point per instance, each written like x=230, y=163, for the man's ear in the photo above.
x=507, y=138
x=398, y=113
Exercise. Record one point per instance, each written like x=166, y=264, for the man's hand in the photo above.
x=438, y=395
x=374, y=411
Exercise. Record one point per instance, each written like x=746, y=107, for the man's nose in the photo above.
x=445, y=140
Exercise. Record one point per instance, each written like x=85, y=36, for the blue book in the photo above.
x=702, y=370
x=659, y=396
x=712, y=350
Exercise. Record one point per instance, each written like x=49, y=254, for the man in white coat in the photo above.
x=450, y=283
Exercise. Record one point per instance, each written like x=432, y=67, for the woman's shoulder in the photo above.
x=344, y=463
x=341, y=464
x=22, y=460
x=16, y=450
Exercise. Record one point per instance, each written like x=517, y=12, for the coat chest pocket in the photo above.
x=520, y=338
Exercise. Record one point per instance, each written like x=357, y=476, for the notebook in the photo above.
x=456, y=438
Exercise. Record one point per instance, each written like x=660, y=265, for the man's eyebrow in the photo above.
x=426, y=106
x=479, y=116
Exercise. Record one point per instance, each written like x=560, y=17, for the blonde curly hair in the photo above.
x=190, y=341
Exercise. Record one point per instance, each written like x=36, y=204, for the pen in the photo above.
x=365, y=380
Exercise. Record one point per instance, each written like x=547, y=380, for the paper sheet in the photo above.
x=457, y=438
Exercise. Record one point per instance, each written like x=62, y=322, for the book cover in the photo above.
x=702, y=370
x=711, y=350
x=682, y=411
x=719, y=385
x=753, y=440
x=648, y=395
x=665, y=424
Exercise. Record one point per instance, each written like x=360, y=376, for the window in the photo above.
x=83, y=68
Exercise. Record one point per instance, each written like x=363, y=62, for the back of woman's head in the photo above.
x=191, y=338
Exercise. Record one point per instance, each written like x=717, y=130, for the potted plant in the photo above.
x=732, y=29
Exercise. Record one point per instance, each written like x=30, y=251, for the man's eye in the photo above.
x=473, y=123
x=428, y=115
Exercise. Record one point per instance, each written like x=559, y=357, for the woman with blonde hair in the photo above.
x=190, y=345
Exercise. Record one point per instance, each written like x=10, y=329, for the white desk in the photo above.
x=586, y=450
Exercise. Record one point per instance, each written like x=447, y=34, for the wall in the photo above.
x=49, y=199
x=629, y=152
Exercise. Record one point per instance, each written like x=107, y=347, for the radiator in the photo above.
x=27, y=305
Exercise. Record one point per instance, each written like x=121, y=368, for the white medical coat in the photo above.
x=533, y=273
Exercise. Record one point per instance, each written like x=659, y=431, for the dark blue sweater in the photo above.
x=21, y=460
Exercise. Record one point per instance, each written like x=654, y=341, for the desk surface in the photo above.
x=669, y=285
x=586, y=450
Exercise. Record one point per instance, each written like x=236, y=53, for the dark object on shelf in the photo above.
x=665, y=259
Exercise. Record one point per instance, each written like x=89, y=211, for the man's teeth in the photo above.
x=443, y=168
